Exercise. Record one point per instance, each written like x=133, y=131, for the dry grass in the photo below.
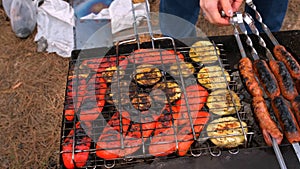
x=32, y=87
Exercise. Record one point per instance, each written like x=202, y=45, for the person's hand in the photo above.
x=211, y=10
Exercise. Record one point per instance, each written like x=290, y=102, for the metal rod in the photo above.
x=250, y=22
x=264, y=26
x=239, y=22
x=297, y=150
x=274, y=143
x=278, y=154
x=135, y=26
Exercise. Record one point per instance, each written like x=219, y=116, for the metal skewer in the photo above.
x=249, y=20
x=264, y=26
x=237, y=21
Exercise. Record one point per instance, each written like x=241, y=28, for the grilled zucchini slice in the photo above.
x=227, y=132
x=186, y=69
x=147, y=75
x=212, y=77
x=223, y=102
x=168, y=89
x=204, y=52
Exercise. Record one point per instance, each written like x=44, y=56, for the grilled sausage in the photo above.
x=266, y=78
x=157, y=56
x=82, y=145
x=267, y=125
x=285, y=81
x=291, y=63
x=109, y=143
x=298, y=85
x=185, y=135
x=296, y=108
x=247, y=72
x=286, y=119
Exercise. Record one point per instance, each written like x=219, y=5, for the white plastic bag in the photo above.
x=6, y=5
x=23, y=17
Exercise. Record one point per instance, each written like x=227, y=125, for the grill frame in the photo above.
x=91, y=52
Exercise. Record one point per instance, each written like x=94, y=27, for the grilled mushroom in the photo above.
x=147, y=75
x=223, y=102
x=212, y=77
x=227, y=132
x=204, y=52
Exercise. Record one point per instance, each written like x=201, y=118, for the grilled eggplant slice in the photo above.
x=223, y=102
x=227, y=132
x=141, y=101
x=109, y=73
x=147, y=75
x=186, y=69
x=204, y=52
x=212, y=77
x=169, y=89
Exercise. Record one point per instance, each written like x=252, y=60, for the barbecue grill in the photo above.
x=84, y=67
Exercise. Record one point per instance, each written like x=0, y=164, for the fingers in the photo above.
x=236, y=5
x=226, y=7
x=211, y=9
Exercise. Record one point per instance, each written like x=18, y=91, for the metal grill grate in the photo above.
x=93, y=112
x=129, y=90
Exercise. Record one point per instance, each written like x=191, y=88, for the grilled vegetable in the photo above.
x=76, y=91
x=223, y=102
x=155, y=56
x=166, y=92
x=138, y=133
x=112, y=72
x=286, y=119
x=290, y=62
x=82, y=145
x=204, y=52
x=247, y=72
x=213, y=77
x=267, y=79
x=96, y=90
x=141, y=101
x=99, y=64
x=185, y=135
x=298, y=85
x=124, y=92
x=296, y=108
x=147, y=75
x=187, y=69
x=266, y=123
x=196, y=97
x=163, y=141
x=227, y=132
x=109, y=143
x=285, y=81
